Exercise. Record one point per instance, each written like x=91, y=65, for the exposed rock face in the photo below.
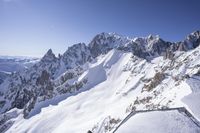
x=168, y=54
x=104, y=42
x=77, y=54
x=151, y=46
x=193, y=40
x=157, y=79
x=49, y=57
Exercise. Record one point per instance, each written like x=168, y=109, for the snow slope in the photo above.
x=159, y=122
x=193, y=100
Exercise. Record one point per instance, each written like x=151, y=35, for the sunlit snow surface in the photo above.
x=159, y=122
x=193, y=100
x=114, y=81
x=79, y=113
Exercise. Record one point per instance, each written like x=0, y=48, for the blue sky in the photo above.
x=31, y=27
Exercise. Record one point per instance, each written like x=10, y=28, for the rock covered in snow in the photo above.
x=104, y=42
x=77, y=54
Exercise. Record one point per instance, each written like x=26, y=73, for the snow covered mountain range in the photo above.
x=92, y=88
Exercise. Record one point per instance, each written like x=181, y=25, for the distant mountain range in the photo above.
x=93, y=87
x=9, y=64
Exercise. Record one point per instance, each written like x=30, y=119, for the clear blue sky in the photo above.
x=31, y=27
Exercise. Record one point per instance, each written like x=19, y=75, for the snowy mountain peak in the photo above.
x=104, y=42
x=153, y=37
x=195, y=33
x=49, y=52
x=193, y=40
x=76, y=47
x=49, y=56
x=75, y=55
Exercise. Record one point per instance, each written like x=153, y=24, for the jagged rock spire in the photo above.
x=49, y=56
